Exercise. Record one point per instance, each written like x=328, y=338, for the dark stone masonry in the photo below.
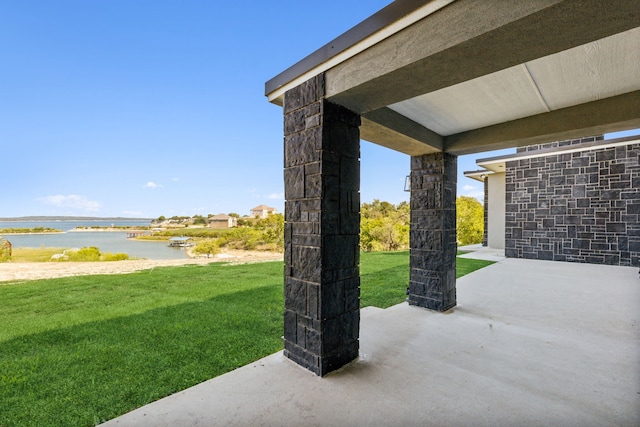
x=485, y=206
x=322, y=214
x=432, y=281
x=579, y=207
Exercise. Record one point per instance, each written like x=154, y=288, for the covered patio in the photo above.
x=530, y=343
x=434, y=80
x=521, y=342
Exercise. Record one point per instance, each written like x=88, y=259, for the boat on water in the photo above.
x=181, y=242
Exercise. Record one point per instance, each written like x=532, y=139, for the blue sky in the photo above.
x=145, y=108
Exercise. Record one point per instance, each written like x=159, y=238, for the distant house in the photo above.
x=575, y=200
x=223, y=221
x=262, y=211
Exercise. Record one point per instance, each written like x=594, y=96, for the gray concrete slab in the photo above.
x=530, y=343
x=482, y=252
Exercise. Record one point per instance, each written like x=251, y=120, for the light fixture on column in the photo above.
x=407, y=183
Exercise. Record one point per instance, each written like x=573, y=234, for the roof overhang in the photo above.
x=465, y=76
x=479, y=175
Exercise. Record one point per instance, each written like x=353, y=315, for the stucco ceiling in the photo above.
x=590, y=72
x=501, y=96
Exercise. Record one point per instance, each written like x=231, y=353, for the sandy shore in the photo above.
x=23, y=271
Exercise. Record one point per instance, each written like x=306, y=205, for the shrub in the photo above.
x=242, y=238
x=265, y=234
x=272, y=228
x=114, y=257
x=91, y=253
x=207, y=247
x=469, y=220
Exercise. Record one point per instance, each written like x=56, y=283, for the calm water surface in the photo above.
x=114, y=242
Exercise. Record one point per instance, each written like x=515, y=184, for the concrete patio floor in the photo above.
x=531, y=343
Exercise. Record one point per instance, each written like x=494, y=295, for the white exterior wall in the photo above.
x=497, y=200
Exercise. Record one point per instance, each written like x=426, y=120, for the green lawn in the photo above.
x=78, y=351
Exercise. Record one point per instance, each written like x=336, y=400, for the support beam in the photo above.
x=612, y=114
x=393, y=130
x=432, y=280
x=322, y=214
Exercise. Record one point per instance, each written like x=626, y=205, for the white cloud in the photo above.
x=71, y=201
x=151, y=184
x=472, y=191
x=475, y=194
x=273, y=196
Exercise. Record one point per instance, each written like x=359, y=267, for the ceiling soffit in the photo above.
x=475, y=76
x=586, y=73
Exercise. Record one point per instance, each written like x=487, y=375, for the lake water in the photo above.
x=112, y=241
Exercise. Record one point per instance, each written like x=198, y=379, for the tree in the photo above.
x=199, y=219
x=384, y=226
x=469, y=220
x=245, y=221
x=272, y=228
x=207, y=247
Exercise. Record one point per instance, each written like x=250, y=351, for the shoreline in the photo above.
x=77, y=230
x=104, y=230
x=21, y=272
x=4, y=235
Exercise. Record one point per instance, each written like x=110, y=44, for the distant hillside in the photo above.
x=71, y=218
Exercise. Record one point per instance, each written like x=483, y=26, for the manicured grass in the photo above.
x=385, y=276
x=465, y=266
x=78, y=351
x=81, y=350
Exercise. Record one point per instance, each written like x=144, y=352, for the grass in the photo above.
x=384, y=277
x=42, y=254
x=465, y=266
x=29, y=230
x=81, y=350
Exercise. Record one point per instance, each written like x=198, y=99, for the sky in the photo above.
x=142, y=108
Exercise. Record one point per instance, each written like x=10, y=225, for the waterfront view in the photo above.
x=106, y=241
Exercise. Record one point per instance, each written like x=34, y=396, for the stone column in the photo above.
x=485, y=229
x=322, y=226
x=432, y=280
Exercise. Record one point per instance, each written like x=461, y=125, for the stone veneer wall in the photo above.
x=559, y=144
x=322, y=229
x=485, y=232
x=578, y=207
x=432, y=237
